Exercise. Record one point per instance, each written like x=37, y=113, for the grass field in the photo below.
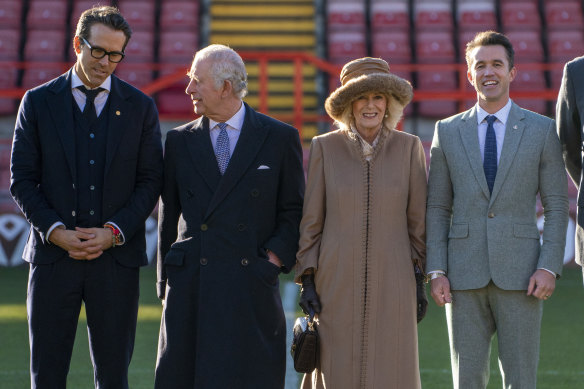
x=562, y=345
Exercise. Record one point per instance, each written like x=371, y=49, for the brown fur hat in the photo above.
x=366, y=75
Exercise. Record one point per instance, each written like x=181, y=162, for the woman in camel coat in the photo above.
x=362, y=230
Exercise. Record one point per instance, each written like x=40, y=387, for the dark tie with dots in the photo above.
x=89, y=112
x=222, y=149
x=490, y=156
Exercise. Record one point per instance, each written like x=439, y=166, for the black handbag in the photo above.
x=305, y=344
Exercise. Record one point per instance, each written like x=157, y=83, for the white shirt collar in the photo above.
x=502, y=114
x=235, y=122
x=76, y=81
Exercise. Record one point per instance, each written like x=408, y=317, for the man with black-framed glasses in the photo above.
x=86, y=173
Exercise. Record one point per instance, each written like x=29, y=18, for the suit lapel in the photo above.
x=470, y=139
x=513, y=133
x=60, y=106
x=120, y=118
x=201, y=152
x=248, y=146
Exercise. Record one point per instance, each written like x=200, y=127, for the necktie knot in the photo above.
x=491, y=119
x=89, y=111
x=90, y=94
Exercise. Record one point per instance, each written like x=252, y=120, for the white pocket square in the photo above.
x=263, y=167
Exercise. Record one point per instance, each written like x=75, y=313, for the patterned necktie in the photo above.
x=490, y=156
x=89, y=111
x=222, y=148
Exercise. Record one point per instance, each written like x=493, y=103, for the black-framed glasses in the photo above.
x=99, y=53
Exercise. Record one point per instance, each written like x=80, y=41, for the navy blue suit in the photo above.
x=223, y=325
x=45, y=176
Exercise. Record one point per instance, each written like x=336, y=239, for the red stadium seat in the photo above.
x=177, y=15
x=435, y=47
x=435, y=15
x=393, y=46
x=136, y=74
x=529, y=81
x=81, y=5
x=477, y=16
x=565, y=45
x=346, y=46
x=47, y=15
x=7, y=81
x=140, y=48
x=527, y=45
x=563, y=15
x=520, y=16
x=344, y=15
x=9, y=44
x=392, y=15
x=438, y=81
x=177, y=47
x=35, y=76
x=45, y=45
x=174, y=102
x=10, y=13
x=139, y=14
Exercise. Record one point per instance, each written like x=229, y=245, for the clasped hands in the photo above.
x=82, y=243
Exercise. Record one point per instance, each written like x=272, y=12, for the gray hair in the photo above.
x=227, y=65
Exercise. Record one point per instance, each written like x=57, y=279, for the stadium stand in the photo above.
x=10, y=14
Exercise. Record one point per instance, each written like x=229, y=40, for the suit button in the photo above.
x=73, y=213
x=255, y=193
x=92, y=212
x=241, y=227
x=244, y=262
x=204, y=227
x=491, y=215
x=203, y=261
x=73, y=186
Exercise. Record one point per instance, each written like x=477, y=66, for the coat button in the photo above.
x=255, y=192
x=491, y=215
x=241, y=227
x=203, y=261
x=73, y=213
x=92, y=212
x=204, y=227
x=244, y=262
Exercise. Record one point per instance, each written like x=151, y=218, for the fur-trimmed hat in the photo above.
x=366, y=75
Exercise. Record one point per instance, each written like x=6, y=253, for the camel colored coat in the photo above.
x=363, y=223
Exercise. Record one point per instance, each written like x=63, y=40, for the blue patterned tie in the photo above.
x=490, y=157
x=222, y=148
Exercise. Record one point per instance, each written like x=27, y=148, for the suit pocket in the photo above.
x=458, y=231
x=174, y=257
x=526, y=231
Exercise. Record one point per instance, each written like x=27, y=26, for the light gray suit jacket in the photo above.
x=476, y=237
x=570, y=119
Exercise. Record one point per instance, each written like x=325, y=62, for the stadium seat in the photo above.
x=81, y=5
x=35, y=76
x=477, y=16
x=520, y=16
x=436, y=15
x=393, y=46
x=527, y=45
x=8, y=79
x=562, y=15
x=44, y=45
x=139, y=14
x=177, y=47
x=529, y=81
x=140, y=48
x=346, y=15
x=9, y=45
x=346, y=46
x=437, y=81
x=392, y=15
x=435, y=47
x=174, y=102
x=565, y=45
x=179, y=15
x=10, y=13
x=138, y=75
x=47, y=15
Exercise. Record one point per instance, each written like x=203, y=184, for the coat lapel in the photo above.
x=513, y=133
x=251, y=139
x=120, y=118
x=470, y=139
x=60, y=106
x=201, y=152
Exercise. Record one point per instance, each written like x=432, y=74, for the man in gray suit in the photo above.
x=570, y=117
x=483, y=245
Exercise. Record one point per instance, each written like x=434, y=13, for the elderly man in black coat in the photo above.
x=229, y=216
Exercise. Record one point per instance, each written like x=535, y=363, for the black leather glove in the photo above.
x=421, y=299
x=309, y=301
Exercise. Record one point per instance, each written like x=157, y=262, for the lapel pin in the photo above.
x=515, y=127
x=118, y=113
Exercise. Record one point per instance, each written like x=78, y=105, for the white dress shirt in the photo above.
x=234, y=125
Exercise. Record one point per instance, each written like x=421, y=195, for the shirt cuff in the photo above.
x=549, y=271
x=121, y=233
x=57, y=224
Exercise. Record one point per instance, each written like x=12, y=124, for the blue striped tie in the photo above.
x=490, y=156
x=222, y=148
